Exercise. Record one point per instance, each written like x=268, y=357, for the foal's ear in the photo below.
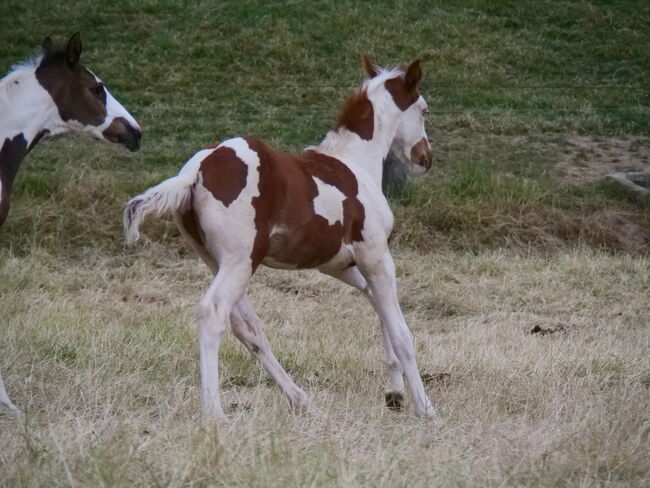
x=73, y=49
x=413, y=75
x=371, y=69
x=48, y=47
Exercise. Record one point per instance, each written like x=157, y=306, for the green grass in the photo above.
x=532, y=103
x=507, y=82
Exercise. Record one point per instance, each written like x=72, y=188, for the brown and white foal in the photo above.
x=241, y=203
x=51, y=95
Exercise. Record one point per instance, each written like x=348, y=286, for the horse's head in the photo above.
x=82, y=101
x=410, y=144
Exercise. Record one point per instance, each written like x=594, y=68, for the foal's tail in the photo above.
x=173, y=194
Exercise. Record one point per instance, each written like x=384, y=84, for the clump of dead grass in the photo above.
x=102, y=356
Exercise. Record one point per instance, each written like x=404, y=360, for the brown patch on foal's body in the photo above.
x=224, y=174
x=190, y=222
x=358, y=116
x=288, y=231
x=12, y=153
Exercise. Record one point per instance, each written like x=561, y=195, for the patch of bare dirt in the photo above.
x=630, y=233
x=587, y=159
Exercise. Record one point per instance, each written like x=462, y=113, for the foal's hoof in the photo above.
x=430, y=415
x=394, y=400
x=304, y=408
x=9, y=409
x=211, y=418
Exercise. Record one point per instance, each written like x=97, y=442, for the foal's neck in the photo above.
x=360, y=154
x=25, y=106
x=26, y=114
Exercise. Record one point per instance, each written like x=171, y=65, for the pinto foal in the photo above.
x=241, y=203
x=52, y=95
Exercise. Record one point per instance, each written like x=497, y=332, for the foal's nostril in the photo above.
x=132, y=138
x=122, y=132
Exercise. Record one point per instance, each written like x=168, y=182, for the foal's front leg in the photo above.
x=394, y=393
x=379, y=271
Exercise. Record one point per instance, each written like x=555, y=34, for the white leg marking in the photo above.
x=353, y=277
x=212, y=313
x=380, y=274
x=247, y=327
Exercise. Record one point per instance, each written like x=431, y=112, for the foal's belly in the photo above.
x=288, y=251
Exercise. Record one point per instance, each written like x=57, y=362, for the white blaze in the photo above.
x=329, y=202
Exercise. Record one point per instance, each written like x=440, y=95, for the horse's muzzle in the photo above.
x=120, y=131
x=421, y=154
x=131, y=139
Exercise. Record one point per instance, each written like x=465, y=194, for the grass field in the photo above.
x=512, y=231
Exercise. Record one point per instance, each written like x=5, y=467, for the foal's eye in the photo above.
x=425, y=112
x=98, y=90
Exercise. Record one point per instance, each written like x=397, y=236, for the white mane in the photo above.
x=18, y=71
x=384, y=74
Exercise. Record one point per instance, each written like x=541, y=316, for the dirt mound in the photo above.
x=625, y=232
x=588, y=159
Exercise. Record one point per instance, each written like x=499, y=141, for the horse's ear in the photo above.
x=73, y=49
x=48, y=47
x=370, y=69
x=413, y=75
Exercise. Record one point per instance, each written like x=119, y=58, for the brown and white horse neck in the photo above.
x=26, y=115
x=25, y=106
x=365, y=130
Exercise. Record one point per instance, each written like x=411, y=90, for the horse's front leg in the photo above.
x=379, y=270
x=394, y=393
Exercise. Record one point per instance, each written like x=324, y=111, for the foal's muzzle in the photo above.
x=120, y=131
x=421, y=154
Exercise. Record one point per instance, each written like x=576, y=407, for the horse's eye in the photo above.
x=98, y=90
x=425, y=112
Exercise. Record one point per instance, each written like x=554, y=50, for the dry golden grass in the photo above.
x=101, y=355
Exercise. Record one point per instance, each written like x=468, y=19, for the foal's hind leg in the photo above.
x=212, y=312
x=247, y=327
x=245, y=323
x=394, y=392
x=4, y=398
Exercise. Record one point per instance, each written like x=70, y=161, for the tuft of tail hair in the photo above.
x=173, y=194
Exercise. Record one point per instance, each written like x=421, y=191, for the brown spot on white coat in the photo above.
x=224, y=174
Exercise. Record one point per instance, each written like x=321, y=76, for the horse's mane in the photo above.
x=352, y=103
x=56, y=53
x=17, y=71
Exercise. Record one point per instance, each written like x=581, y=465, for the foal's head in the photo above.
x=83, y=103
x=410, y=144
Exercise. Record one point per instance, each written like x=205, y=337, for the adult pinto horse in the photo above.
x=241, y=203
x=50, y=95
